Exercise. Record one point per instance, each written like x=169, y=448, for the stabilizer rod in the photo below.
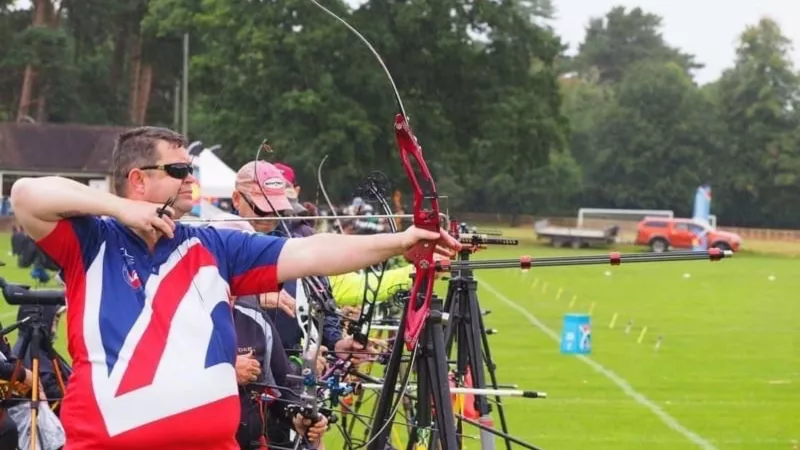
x=614, y=258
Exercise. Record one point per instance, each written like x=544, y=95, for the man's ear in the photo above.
x=136, y=182
x=297, y=190
x=235, y=200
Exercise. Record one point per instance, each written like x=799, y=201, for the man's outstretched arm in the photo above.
x=39, y=203
x=333, y=254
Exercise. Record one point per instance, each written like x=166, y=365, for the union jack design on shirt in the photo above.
x=151, y=334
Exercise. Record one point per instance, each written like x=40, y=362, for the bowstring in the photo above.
x=401, y=108
x=308, y=341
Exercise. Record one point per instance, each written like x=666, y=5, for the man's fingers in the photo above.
x=169, y=222
x=444, y=251
x=163, y=227
x=167, y=211
x=449, y=241
x=287, y=308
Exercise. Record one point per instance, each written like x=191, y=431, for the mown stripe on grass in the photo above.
x=664, y=416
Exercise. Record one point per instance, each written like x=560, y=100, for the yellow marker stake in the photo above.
x=558, y=294
x=572, y=302
x=641, y=335
x=613, y=321
x=535, y=282
x=591, y=308
x=544, y=288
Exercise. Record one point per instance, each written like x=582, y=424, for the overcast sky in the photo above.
x=705, y=28
x=708, y=29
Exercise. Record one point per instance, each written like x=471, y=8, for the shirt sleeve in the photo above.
x=252, y=261
x=73, y=244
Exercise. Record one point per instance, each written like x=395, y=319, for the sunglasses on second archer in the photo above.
x=176, y=170
x=259, y=212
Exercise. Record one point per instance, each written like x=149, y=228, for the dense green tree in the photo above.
x=507, y=122
x=653, y=146
x=622, y=39
x=759, y=103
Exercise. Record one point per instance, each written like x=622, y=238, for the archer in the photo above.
x=147, y=298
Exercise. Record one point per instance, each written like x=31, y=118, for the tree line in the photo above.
x=509, y=123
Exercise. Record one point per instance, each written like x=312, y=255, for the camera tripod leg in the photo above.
x=52, y=355
x=430, y=363
x=466, y=327
x=492, y=370
x=433, y=365
x=379, y=431
x=36, y=340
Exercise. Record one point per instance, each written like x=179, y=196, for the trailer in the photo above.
x=574, y=237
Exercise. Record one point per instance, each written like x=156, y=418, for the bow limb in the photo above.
x=427, y=218
x=325, y=194
x=373, y=275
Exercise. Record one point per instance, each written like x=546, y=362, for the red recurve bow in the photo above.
x=425, y=206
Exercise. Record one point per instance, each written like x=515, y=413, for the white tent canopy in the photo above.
x=215, y=178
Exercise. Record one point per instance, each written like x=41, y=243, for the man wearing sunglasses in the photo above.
x=261, y=187
x=149, y=323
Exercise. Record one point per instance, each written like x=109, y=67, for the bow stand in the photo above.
x=465, y=326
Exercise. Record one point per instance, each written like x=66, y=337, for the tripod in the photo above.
x=465, y=326
x=34, y=336
x=430, y=362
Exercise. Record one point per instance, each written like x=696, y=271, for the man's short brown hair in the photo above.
x=136, y=148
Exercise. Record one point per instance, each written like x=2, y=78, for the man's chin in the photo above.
x=261, y=227
x=182, y=207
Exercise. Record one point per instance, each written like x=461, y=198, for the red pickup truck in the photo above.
x=662, y=234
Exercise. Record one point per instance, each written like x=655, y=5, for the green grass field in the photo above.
x=726, y=376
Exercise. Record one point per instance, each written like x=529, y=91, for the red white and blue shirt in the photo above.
x=151, y=335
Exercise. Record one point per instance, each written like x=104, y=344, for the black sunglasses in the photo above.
x=175, y=170
x=259, y=212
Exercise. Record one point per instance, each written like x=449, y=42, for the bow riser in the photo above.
x=426, y=216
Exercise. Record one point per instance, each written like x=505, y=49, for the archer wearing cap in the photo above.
x=288, y=174
x=260, y=189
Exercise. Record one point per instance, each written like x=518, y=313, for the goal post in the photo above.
x=634, y=215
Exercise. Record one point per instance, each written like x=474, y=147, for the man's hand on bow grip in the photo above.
x=314, y=431
x=445, y=244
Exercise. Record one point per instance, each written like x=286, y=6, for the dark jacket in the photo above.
x=255, y=332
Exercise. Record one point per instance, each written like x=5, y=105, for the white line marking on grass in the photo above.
x=668, y=420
